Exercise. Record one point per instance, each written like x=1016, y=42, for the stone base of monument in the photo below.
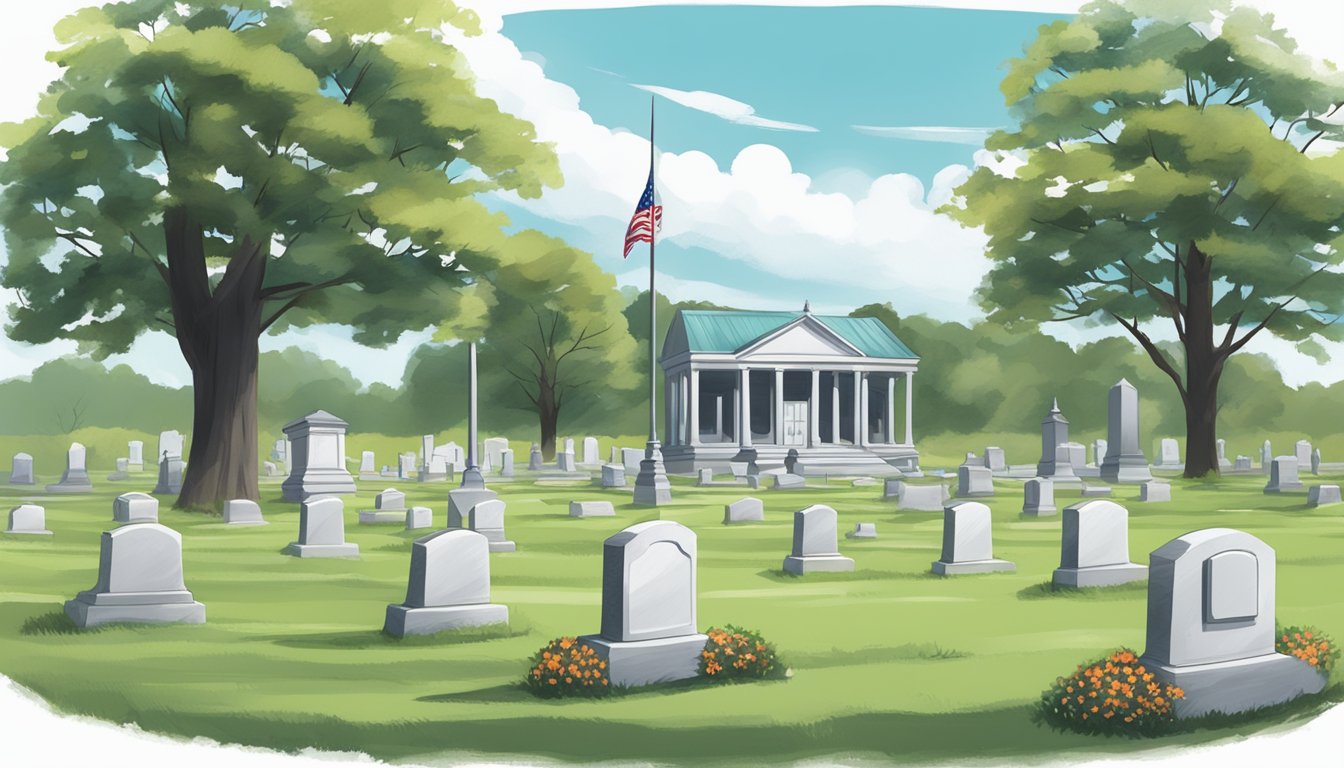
x=1040, y=511
x=317, y=483
x=645, y=662
x=817, y=564
x=74, y=486
x=322, y=550
x=1096, y=491
x=460, y=502
x=972, y=566
x=498, y=540
x=382, y=517
x=1238, y=686
x=91, y=609
x=402, y=620
x=1099, y=575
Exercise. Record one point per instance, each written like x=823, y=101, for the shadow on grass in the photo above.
x=837, y=657
x=1047, y=590
x=53, y=623
x=378, y=639
x=784, y=577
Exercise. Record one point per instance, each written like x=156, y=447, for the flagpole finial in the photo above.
x=807, y=307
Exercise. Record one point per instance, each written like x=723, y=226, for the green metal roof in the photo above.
x=723, y=331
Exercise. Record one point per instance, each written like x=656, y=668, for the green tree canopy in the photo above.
x=1178, y=168
x=224, y=169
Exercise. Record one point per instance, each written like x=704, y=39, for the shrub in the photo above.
x=732, y=652
x=567, y=667
x=1114, y=696
x=1310, y=645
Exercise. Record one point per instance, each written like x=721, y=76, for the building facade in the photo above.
x=753, y=385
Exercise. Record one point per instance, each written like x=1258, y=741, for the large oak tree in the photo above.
x=1180, y=170
x=225, y=169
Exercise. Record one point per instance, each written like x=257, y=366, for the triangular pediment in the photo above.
x=803, y=337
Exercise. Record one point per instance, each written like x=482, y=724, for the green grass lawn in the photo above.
x=888, y=662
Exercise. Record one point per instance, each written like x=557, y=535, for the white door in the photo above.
x=795, y=422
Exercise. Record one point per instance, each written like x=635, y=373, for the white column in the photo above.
x=891, y=409
x=910, y=408
x=835, y=407
x=744, y=409
x=673, y=408
x=669, y=418
x=718, y=418
x=814, y=411
x=779, y=407
x=685, y=409
x=693, y=391
x=858, y=408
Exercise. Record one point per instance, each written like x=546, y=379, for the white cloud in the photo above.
x=722, y=106
x=943, y=134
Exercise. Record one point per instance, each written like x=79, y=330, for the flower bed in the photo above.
x=1113, y=696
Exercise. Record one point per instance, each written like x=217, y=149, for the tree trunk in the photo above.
x=1203, y=368
x=548, y=412
x=217, y=332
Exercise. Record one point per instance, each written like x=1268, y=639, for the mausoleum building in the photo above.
x=751, y=386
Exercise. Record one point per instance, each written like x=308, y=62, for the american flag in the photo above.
x=648, y=217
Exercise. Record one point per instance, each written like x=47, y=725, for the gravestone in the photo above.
x=170, y=445
x=243, y=512
x=318, y=442
x=891, y=487
x=815, y=547
x=135, y=461
x=534, y=459
x=433, y=462
x=863, y=531
x=974, y=481
x=1302, y=450
x=1323, y=495
x=1211, y=625
x=419, y=517
x=1266, y=457
x=704, y=476
x=1242, y=464
x=406, y=466
x=613, y=476
x=1223, y=461
x=135, y=508
x=269, y=469
x=968, y=542
x=1169, y=455
x=368, y=469
x=922, y=498
x=1316, y=462
x=994, y=459
x=21, y=470
x=1094, y=548
x=278, y=450
x=139, y=581
x=631, y=457
x=1097, y=491
x=788, y=482
x=569, y=445
x=322, y=529
x=1283, y=475
x=1155, y=490
x=565, y=462
x=452, y=453
x=122, y=472
x=389, y=507
x=493, y=449
x=1056, y=462
x=1124, y=462
x=1098, y=453
x=487, y=519
x=76, y=477
x=754, y=482
x=30, y=520
x=591, y=452
x=791, y=461
x=460, y=502
x=1038, y=497
x=739, y=469
x=1077, y=453
x=448, y=587
x=591, y=509
x=506, y=463
x=171, y=470
x=744, y=510
x=648, y=605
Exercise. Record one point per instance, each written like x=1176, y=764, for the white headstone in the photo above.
x=1266, y=457
x=368, y=469
x=994, y=459
x=535, y=461
x=1125, y=462
x=135, y=450
x=139, y=580
x=744, y=510
x=591, y=452
x=974, y=481
x=565, y=462
x=487, y=518
x=863, y=531
x=921, y=498
x=1211, y=625
x=1155, y=490
x=170, y=446
x=1169, y=456
x=21, y=471
x=1283, y=475
x=390, y=499
x=1323, y=495
x=135, y=508
x=318, y=442
x=1242, y=464
x=591, y=509
x=613, y=476
x=1302, y=450
x=1316, y=462
x=170, y=476
x=76, y=477
x=1223, y=461
x=786, y=481
x=448, y=587
x=506, y=463
x=243, y=512
x=1098, y=452
x=815, y=546
x=30, y=519
x=494, y=451
x=419, y=517
x=322, y=530
x=1094, y=548
x=1038, y=497
x=968, y=542
x=704, y=476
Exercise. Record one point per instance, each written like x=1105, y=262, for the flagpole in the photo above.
x=653, y=300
